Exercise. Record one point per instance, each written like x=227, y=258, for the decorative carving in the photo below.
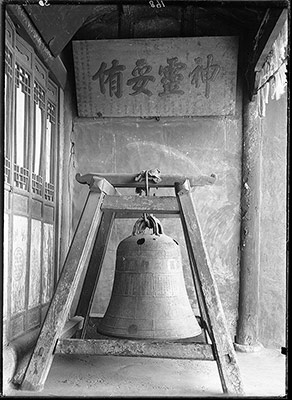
x=18, y=266
x=22, y=53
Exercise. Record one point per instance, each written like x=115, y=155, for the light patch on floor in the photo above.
x=263, y=374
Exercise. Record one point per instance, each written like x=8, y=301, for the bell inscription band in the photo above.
x=149, y=298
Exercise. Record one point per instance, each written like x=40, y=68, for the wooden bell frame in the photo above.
x=88, y=247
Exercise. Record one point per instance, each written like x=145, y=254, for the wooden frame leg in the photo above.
x=198, y=290
x=94, y=268
x=213, y=312
x=76, y=261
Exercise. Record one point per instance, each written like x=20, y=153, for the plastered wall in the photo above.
x=189, y=146
x=193, y=146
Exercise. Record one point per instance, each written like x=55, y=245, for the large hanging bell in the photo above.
x=149, y=298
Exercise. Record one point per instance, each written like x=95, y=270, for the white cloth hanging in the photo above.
x=272, y=78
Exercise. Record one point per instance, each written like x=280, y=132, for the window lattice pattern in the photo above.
x=8, y=62
x=7, y=170
x=21, y=177
x=37, y=184
x=8, y=107
x=39, y=95
x=52, y=112
x=22, y=78
x=49, y=191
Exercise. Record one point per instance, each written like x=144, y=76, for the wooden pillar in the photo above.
x=247, y=328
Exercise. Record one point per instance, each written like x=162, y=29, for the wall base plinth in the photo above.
x=248, y=348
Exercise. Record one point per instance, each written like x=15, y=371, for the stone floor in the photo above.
x=263, y=374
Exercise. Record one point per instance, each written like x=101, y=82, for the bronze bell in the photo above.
x=149, y=298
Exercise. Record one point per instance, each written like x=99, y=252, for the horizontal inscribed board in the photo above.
x=156, y=77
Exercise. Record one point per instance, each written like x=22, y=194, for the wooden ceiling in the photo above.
x=59, y=23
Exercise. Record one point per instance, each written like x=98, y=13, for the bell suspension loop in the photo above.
x=147, y=220
x=147, y=193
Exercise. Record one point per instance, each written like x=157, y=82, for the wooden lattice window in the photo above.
x=50, y=151
x=22, y=126
x=8, y=87
x=30, y=168
x=39, y=134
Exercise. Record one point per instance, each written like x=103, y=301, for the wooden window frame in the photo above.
x=41, y=204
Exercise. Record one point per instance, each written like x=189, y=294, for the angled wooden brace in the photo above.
x=76, y=262
x=208, y=295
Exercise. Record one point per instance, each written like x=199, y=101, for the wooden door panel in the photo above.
x=35, y=263
x=19, y=263
x=48, y=270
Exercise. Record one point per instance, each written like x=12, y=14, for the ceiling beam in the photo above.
x=126, y=27
x=57, y=24
x=266, y=34
x=271, y=39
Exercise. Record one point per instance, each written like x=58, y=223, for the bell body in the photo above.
x=149, y=298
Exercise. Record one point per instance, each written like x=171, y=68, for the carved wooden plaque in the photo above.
x=156, y=77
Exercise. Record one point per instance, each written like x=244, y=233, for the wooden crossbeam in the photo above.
x=140, y=204
x=136, y=215
x=136, y=348
x=128, y=180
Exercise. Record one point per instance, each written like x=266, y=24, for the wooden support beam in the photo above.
x=126, y=26
x=248, y=312
x=128, y=180
x=222, y=344
x=76, y=261
x=266, y=35
x=136, y=348
x=94, y=268
x=139, y=204
x=72, y=326
x=135, y=215
x=200, y=296
x=92, y=331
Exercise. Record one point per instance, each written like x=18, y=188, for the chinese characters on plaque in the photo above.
x=156, y=77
